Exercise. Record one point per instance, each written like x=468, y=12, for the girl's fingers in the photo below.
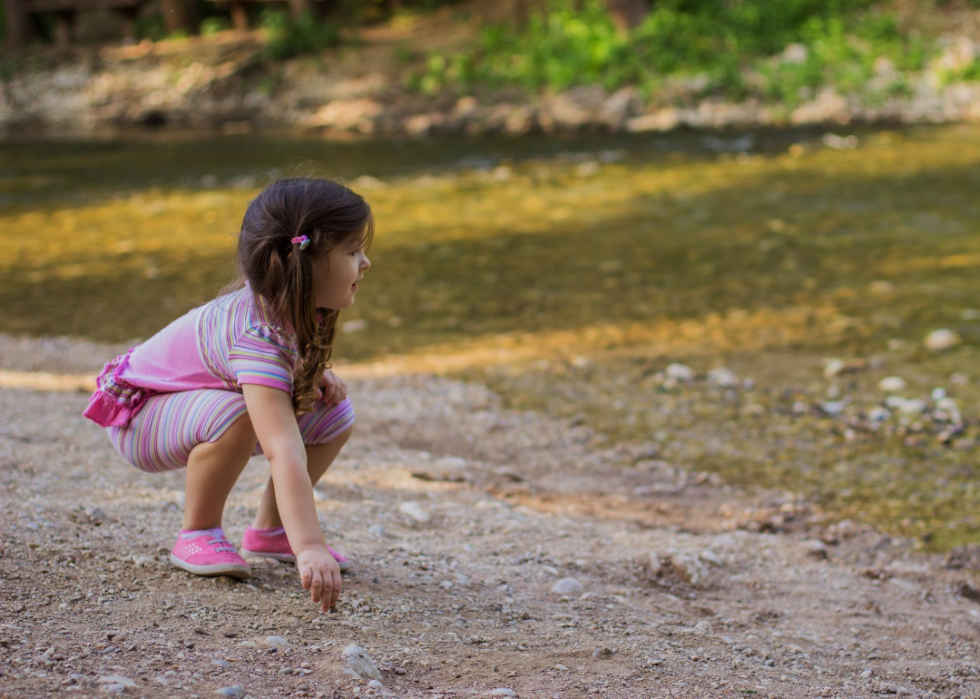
x=335, y=590
x=305, y=576
x=317, y=586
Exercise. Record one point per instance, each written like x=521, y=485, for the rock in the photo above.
x=618, y=108
x=567, y=586
x=679, y=372
x=377, y=531
x=502, y=692
x=573, y=109
x=234, y=692
x=276, y=642
x=907, y=406
x=833, y=408
x=375, y=684
x=794, y=53
x=709, y=556
x=691, y=569
x=879, y=414
x=561, y=668
x=359, y=663
x=347, y=115
x=117, y=680
x=970, y=592
x=415, y=511
x=722, y=377
x=816, y=549
x=892, y=384
x=653, y=565
x=603, y=652
x=703, y=627
x=833, y=367
x=661, y=120
x=97, y=514
x=941, y=340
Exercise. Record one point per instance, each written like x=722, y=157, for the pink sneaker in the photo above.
x=272, y=543
x=208, y=552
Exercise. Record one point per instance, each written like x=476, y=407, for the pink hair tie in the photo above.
x=302, y=240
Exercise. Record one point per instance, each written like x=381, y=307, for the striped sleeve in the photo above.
x=265, y=356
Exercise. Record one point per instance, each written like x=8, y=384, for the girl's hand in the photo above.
x=334, y=390
x=320, y=575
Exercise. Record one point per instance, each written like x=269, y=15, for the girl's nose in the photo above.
x=366, y=264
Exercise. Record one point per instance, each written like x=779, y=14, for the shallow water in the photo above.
x=765, y=252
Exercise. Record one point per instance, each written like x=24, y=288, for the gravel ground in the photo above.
x=465, y=522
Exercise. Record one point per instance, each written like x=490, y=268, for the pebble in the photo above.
x=561, y=667
x=725, y=378
x=879, y=414
x=908, y=406
x=941, y=340
x=276, y=642
x=567, y=586
x=377, y=531
x=892, y=384
x=236, y=691
x=221, y=663
x=691, y=569
x=816, y=549
x=703, y=627
x=679, y=372
x=97, y=513
x=415, y=511
x=359, y=663
x=603, y=652
x=833, y=367
x=375, y=684
x=653, y=565
x=117, y=680
x=502, y=692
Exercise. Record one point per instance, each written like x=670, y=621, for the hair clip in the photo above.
x=302, y=240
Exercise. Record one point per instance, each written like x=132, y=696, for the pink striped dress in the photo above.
x=183, y=386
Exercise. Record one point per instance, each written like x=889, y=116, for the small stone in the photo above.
x=377, y=531
x=567, y=586
x=653, y=564
x=603, y=652
x=892, y=384
x=679, y=372
x=415, y=511
x=116, y=679
x=502, y=692
x=375, y=684
x=359, y=663
x=722, y=377
x=97, y=514
x=833, y=367
x=224, y=664
x=709, y=556
x=561, y=668
x=703, y=627
x=816, y=549
x=691, y=569
x=276, y=642
x=879, y=414
x=941, y=340
x=970, y=591
x=236, y=691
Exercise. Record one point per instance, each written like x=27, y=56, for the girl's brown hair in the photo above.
x=330, y=215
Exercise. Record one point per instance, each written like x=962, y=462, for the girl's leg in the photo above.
x=212, y=469
x=319, y=457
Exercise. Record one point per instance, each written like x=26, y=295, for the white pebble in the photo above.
x=941, y=340
x=892, y=384
x=415, y=511
x=276, y=642
x=725, y=378
x=679, y=372
x=567, y=586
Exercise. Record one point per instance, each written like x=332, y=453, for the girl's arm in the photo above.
x=271, y=413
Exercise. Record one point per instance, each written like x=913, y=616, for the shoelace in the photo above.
x=222, y=540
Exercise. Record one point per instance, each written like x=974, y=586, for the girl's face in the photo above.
x=337, y=274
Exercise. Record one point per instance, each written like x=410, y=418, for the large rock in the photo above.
x=347, y=115
x=358, y=663
x=575, y=108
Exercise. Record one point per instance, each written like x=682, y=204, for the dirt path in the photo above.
x=744, y=601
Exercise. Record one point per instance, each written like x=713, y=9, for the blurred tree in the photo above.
x=181, y=15
x=628, y=14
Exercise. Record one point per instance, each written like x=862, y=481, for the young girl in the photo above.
x=248, y=373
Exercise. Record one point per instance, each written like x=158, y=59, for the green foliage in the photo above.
x=719, y=42
x=287, y=38
x=214, y=25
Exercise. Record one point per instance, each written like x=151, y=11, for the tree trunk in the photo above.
x=180, y=15
x=628, y=14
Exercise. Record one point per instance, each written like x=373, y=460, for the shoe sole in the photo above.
x=229, y=569
x=288, y=558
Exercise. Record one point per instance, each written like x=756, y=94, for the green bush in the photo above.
x=718, y=40
x=287, y=38
x=214, y=25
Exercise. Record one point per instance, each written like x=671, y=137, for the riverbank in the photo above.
x=498, y=553
x=226, y=83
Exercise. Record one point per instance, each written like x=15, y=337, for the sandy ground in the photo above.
x=686, y=587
